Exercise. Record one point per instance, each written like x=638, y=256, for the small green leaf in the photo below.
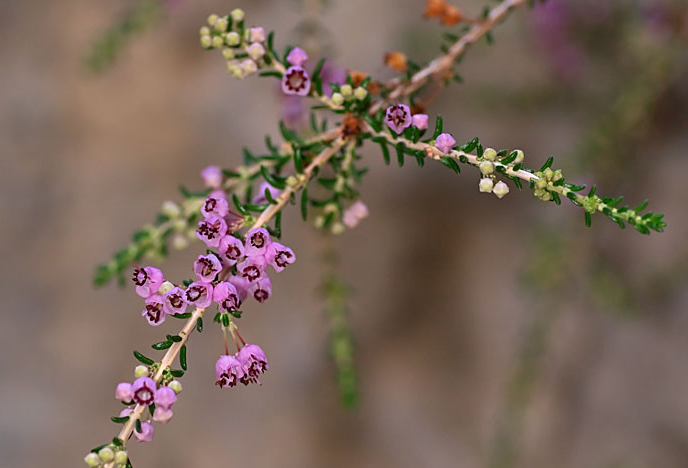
x=225, y=320
x=304, y=204
x=161, y=345
x=451, y=164
x=588, y=219
x=199, y=324
x=438, y=127
x=182, y=357
x=185, y=315
x=176, y=373
x=118, y=420
x=143, y=359
x=548, y=163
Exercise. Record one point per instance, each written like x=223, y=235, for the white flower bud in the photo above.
x=141, y=371
x=165, y=286
x=204, y=31
x=217, y=41
x=121, y=457
x=331, y=208
x=175, y=385
x=346, y=90
x=212, y=19
x=500, y=189
x=249, y=67
x=337, y=99
x=228, y=53
x=519, y=156
x=490, y=154
x=337, y=229
x=237, y=14
x=486, y=167
x=319, y=222
x=360, y=93
x=256, y=51
x=179, y=242
x=233, y=38
x=221, y=24
x=206, y=41
x=549, y=173
x=171, y=209
x=234, y=68
x=92, y=460
x=485, y=185
x=106, y=454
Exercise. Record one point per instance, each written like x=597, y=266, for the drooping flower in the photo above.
x=146, y=434
x=296, y=81
x=206, y=267
x=260, y=197
x=226, y=296
x=215, y=205
x=143, y=390
x=174, y=301
x=420, y=121
x=257, y=242
x=154, y=311
x=500, y=189
x=445, y=142
x=253, y=362
x=297, y=57
x=241, y=284
x=261, y=288
x=228, y=371
x=165, y=397
x=162, y=415
x=124, y=392
x=212, y=177
x=252, y=268
x=279, y=256
x=199, y=294
x=147, y=280
x=231, y=249
x=211, y=230
x=354, y=214
x=486, y=185
x=398, y=117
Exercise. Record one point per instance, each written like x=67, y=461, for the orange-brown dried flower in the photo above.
x=451, y=15
x=434, y=8
x=396, y=61
x=357, y=77
x=352, y=126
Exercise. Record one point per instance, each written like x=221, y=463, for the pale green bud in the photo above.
x=331, y=208
x=179, y=242
x=204, y=31
x=121, y=457
x=337, y=228
x=500, y=189
x=346, y=90
x=256, y=50
x=557, y=175
x=228, y=53
x=292, y=181
x=175, y=385
x=360, y=93
x=221, y=24
x=486, y=167
x=106, y=454
x=490, y=154
x=212, y=19
x=233, y=38
x=541, y=183
x=171, y=209
x=519, y=156
x=319, y=222
x=485, y=185
x=237, y=14
x=248, y=67
x=206, y=41
x=92, y=460
x=549, y=173
x=337, y=99
x=141, y=371
x=165, y=286
x=217, y=41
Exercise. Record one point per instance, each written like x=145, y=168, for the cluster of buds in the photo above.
x=398, y=117
x=108, y=454
x=243, y=367
x=545, y=178
x=243, y=48
x=348, y=93
x=487, y=168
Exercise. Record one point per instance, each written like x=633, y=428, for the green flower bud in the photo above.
x=292, y=181
x=92, y=460
x=216, y=41
x=212, y=19
x=548, y=173
x=337, y=99
x=165, y=286
x=346, y=90
x=360, y=93
x=228, y=53
x=204, y=31
x=141, y=371
x=106, y=454
x=337, y=228
x=206, y=41
x=121, y=457
x=541, y=183
x=486, y=167
x=237, y=14
x=221, y=24
x=490, y=154
x=319, y=221
x=233, y=38
x=175, y=385
x=179, y=242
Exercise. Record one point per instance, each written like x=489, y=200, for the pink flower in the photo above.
x=215, y=206
x=260, y=197
x=261, y=289
x=252, y=268
x=124, y=392
x=228, y=371
x=398, y=117
x=257, y=241
x=212, y=177
x=445, y=142
x=174, y=301
x=162, y=415
x=231, y=249
x=211, y=230
x=253, y=362
x=297, y=57
x=296, y=81
x=207, y=267
x=354, y=214
x=146, y=434
x=226, y=296
x=143, y=389
x=147, y=280
x=165, y=397
x=200, y=294
x=279, y=256
x=241, y=285
x=154, y=311
x=420, y=121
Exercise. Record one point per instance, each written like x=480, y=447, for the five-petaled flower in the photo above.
x=147, y=280
x=206, y=267
x=231, y=250
x=279, y=256
x=228, y=371
x=155, y=310
x=211, y=230
x=215, y=205
x=226, y=296
x=174, y=301
x=253, y=361
x=143, y=391
x=199, y=294
x=398, y=117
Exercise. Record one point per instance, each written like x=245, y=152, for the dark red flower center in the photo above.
x=296, y=80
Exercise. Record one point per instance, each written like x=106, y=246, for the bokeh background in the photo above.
x=488, y=333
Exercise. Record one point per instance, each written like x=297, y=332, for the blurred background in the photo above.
x=488, y=333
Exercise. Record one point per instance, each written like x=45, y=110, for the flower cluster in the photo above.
x=399, y=118
x=245, y=366
x=243, y=48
